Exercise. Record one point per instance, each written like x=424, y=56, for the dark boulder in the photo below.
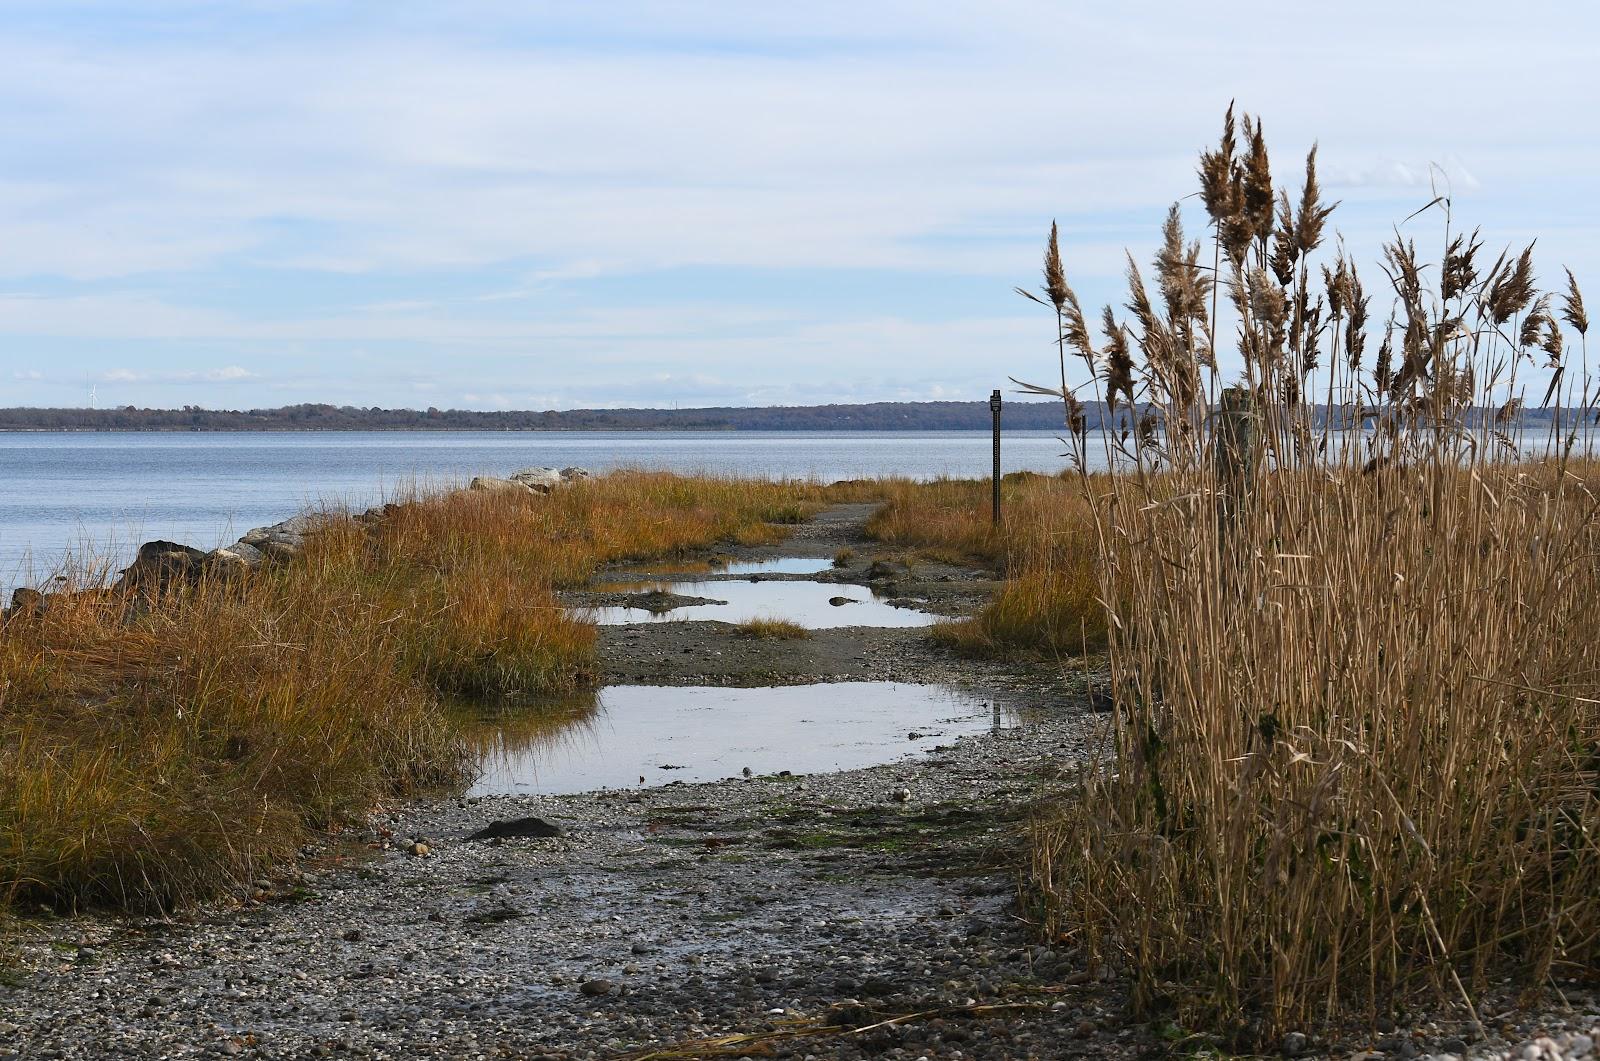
x=161, y=565
x=516, y=828
x=25, y=601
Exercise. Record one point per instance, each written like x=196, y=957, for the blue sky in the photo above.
x=535, y=205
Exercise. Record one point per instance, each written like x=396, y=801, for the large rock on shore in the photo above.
x=488, y=484
x=542, y=480
x=161, y=564
x=235, y=557
x=281, y=541
x=25, y=601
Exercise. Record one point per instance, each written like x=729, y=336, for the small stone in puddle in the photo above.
x=913, y=735
x=839, y=601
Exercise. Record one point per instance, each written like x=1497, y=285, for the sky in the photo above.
x=555, y=205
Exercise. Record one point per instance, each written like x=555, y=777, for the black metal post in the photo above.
x=994, y=407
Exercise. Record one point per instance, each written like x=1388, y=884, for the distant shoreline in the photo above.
x=487, y=430
x=877, y=416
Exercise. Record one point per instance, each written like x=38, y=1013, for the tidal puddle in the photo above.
x=695, y=733
x=783, y=565
x=807, y=603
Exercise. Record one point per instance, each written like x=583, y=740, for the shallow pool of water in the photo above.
x=806, y=603
x=695, y=733
x=781, y=565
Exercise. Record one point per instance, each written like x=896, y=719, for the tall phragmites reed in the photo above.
x=1354, y=627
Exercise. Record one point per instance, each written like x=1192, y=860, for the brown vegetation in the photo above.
x=1045, y=545
x=163, y=746
x=771, y=630
x=1355, y=657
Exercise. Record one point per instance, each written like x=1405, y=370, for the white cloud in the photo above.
x=486, y=196
x=229, y=374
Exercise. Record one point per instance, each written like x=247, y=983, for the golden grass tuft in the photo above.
x=1050, y=602
x=764, y=629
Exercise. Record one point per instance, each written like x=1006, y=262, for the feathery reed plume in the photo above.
x=1074, y=330
x=1168, y=366
x=1533, y=322
x=1313, y=215
x=1055, y=277
x=1285, y=247
x=1184, y=285
x=1119, y=362
x=1077, y=423
x=1257, y=181
x=1572, y=310
x=1138, y=299
x=1551, y=343
x=1355, y=339
x=1218, y=190
x=1383, y=368
x=1459, y=270
x=1270, y=308
x=1512, y=290
x=1400, y=259
x=1336, y=282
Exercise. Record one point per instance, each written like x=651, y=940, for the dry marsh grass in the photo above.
x=154, y=751
x=1045, y=546
x=771, y=630
x=1355, y=757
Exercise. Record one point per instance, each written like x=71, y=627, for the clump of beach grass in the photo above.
x=765, y=629
x=1352, y=625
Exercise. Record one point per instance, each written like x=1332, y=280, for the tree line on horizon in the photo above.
x=873, y=416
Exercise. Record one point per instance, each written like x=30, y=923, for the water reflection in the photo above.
x=808, y=603
x=695, y=733
x=781, y=565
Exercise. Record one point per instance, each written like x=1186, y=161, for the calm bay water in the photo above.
x=107, y=492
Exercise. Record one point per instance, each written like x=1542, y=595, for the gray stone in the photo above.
x=490, y=485
x=540, y=479
x=25, y=601
x=237, y=555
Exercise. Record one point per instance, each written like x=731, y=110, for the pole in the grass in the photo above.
x=994, y=407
